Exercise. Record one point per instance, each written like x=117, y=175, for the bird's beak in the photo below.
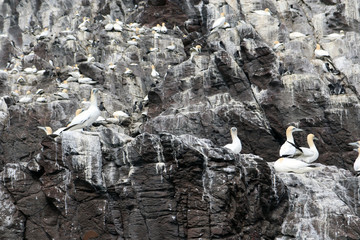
x=356, y=150
x=355, y=144
x=315, y=138
x=297, y=130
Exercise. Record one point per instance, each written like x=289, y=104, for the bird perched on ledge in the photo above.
x=87, y=117
x=288, y=149
x=235, y=146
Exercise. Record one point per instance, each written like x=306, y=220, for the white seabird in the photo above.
x=128, y=71
x=118, y=25
x=154, y=73
x=319, y=53
x=235, y=146
x=295, y=35
x=288, y=149
x=219, y=22
x=109, y=26
x=171, y=47
x=293, y=165
x=357, y=161
x=194, y=51
x=265, y=12
x=47, y=130
x=310, y=154
x=87, y=117
x=355, y=144
x=163, y=28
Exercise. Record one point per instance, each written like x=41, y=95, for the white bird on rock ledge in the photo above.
x=219, y=22
x=310, y=154
x=87, y=117
x=288, y=149
x=154, y=73
x=357, y=161
x=293, y=165
x=235, y=146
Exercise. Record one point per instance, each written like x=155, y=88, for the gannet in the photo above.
x=219, y=22
x=235, y=146
x=64, y=85
x=63, y=95
x=265, y=12
x=226, y=25
x=21, y=80
x=87, y=117
x=30, y=70
x=109, y=27
x=319, y=53
x=128, y=71
x=334, y=36
x=194, y=51
x=171, y=47
x=357, y=161
x=293, y=165
x=278, y=46
x=40, y=91
x=90, y=58
x=137, y=37
x=43, y=34
x=132, y=42
x=83, y=26
x=86, y=80
x=156, y=35
x=70, y=37
x=157, y=28
x=295, y=35
x=27, y=98
x=112, y=66
x=118, y=25
x=153, y=49
x=288, y=149
x=41, y=100
x=154, y=73
x=163, y=28
x=310, y=154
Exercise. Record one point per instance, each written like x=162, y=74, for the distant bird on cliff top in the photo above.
x=163, y=28
x=293, y=165
x=265, y=12
x=310, y=154
x=171, y=47
x=157, y=28
x=319, y=53
x=128, y=71
x=109, y=26
x=288, y=149
x=295, y=35
x=235, y=146
x=132, y=42
x=218, y=22
x=156, y=35
x=278, y=46
x=334, y=36
x=84, y=25
x=154, y=73
x=357, y=161
x=194, y=51
x=118, y=25
x=87, y=117
x=47, y=130
x=112, y=66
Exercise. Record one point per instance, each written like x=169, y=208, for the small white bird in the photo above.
x=112, y=66
x=171, y=47
x=84, y=25
x=21, y=80
x=335, y=36
x=87, y=117
x=319, y=53
x=41, y=100
x=128, y=71
x=109, y=27
x=194, y=51
x=86, y=80
x=132, y=42
x=218, y=22
x=289, y=149
x=154, y=73
x=278, y=46
x=226, y=25
x=90, y=58
x=295, y=35
x=293, y=165
x=44, y=34
x=265, y=12
x=63, y=95
x=156, y=35
x=46, y=129
x=157, y=28
x=163, y=28
x=235, y=146
x=310, y=154
x=118, y=25
x=153, y=49
x=30, y=70
x=357, y=161
x=27, y=98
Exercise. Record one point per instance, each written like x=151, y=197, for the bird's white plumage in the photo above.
x=319, y=53
x=219, y=22
x=357, y=161
x=235, y=146
x=87, y=117
x=292, y=165
x=288, y=149
x=311, y=153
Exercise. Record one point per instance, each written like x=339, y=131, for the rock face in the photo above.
x=157, y=170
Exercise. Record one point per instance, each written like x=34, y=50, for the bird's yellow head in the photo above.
x=152, y=66
x=65, y=91
x=267, y=10
x=28, y=92
x=222, y=14
x=163, y=24
x=317, y=46
x=276, y=42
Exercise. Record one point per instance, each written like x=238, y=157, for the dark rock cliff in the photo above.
x=161, y=171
